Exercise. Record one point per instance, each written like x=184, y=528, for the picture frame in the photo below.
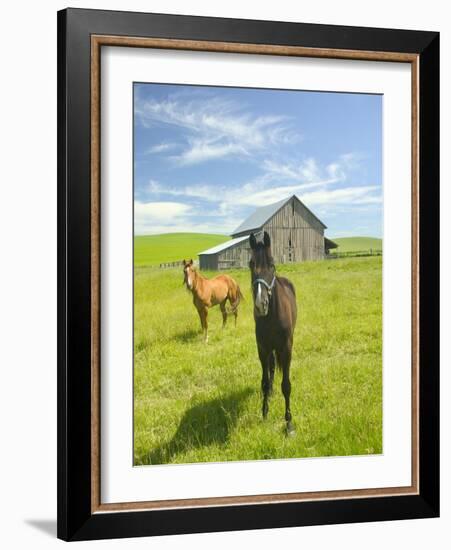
x=81, y=35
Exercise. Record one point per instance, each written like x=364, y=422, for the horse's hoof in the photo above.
x=290, y=430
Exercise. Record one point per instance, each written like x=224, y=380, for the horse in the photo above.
x=275, y=314
x=211, y=292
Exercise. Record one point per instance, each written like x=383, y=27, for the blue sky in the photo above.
x=206, y=157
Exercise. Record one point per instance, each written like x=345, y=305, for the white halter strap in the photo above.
x=263, y=282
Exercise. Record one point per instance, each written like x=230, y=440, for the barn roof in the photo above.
x=258, y=218
x=329, y=243
x=224, y=246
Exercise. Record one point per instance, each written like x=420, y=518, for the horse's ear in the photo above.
x=266, y=239
x=191, y=262
x=253, y=241
x=184, y=261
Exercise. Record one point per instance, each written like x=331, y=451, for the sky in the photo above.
x=206, y=157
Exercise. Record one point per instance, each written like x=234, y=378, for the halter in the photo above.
x=269, y=287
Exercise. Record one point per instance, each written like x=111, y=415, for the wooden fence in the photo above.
x=179, y=263
x=354, y=253
x=167, y=265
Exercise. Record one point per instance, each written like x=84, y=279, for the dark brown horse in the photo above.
x=275, y=315
x=211, y=292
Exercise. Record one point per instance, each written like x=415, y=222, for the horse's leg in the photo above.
x=233, y=301
x=264, y=360
x=202, y=311
x=205, y=314
x=285, y=361
x=201, y=317
x=272, y=368
x=222, y=305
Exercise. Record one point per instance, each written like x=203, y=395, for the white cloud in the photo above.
x=203, y=150
x=346, y=163
x=151, y=214
x=188, y=226
x=160, y=210
x=290, y=178
x=306, y=170
x=214, y=127
x=169, y=217
x=160, y=148
x=319, y=187
x=201, y=191
x=348, y=195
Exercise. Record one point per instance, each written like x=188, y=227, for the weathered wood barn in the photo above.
x=296, y=235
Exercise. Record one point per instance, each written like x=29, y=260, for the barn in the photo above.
x=297, y=235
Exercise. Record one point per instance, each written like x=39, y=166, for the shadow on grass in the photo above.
x=204, y=424
x=188, y=335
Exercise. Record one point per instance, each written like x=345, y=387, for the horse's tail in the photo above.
x=239, y=297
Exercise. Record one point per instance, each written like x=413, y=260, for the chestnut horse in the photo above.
x=211, y=292
x=275, y=313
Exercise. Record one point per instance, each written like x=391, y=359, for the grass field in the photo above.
x=356, y=244
x=197, y=402
x=172, y=247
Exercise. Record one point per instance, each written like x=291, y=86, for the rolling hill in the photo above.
x=172, y=247
x=356, y=244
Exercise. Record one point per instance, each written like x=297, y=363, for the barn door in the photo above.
x=290, y=249
x=291, y=242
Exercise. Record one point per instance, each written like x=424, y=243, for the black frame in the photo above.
x=75, y=520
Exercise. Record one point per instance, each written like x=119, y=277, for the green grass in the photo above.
x=197, y=402
x=172, y=247
x=356, y=244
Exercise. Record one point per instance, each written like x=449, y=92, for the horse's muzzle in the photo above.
x=261, y=309
x=261, y=299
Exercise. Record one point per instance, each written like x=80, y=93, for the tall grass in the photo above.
x=197, y=402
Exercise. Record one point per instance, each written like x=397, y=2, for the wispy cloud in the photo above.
x=306, y=170
x=369, y=194
x=319, y=187
x=215, y=127
x=160, y=148
x=201, y=150
x=292, y=178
